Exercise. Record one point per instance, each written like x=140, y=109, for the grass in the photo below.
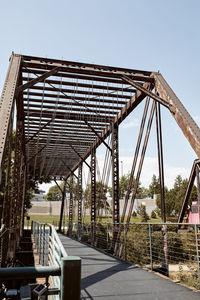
x=54, y=219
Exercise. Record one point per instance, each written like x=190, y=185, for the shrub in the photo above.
x=153, y=214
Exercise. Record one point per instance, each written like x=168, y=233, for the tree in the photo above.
x=153, y=214
x=101, y=196
x=54, y=194
x=154, y=187
x=123, y=188
x=143, y=214
x=175, y=196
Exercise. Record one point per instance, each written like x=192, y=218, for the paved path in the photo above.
x=107, y=278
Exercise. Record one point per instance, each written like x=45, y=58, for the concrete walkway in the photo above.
x=105, y=277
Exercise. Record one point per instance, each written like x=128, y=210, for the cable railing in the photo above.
x=172, y=249
x=62, y=273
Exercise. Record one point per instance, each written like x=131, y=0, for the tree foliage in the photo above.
x=142, y=192
x=54, y=194
x=143, y=214
x=101, y=196
x=175, y=196
x=154, y=187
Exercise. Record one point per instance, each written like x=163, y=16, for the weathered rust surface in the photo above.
x=184, y=120
x=7, y=100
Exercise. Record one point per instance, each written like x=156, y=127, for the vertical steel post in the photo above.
x=62, y=206
x=70, y=278
x=198, y=190
x=150, y=246
x=107, y=236
x=125, y=242
x=71, y=200
x=93, y=197
x=197, y=250
x=162, y=188
x=79, y=201
x=115, y=182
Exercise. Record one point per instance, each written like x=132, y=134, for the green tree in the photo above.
x=175, y=196
x=143, y=214
x=153, y=214
x=54, y=194
x=123, y=188
x=101, y=196
x=154, y=187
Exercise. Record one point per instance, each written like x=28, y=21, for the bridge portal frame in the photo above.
x=27, y=78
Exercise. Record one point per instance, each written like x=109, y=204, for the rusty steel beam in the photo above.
x=75, y=98
x=188, y=191
x=71, y=116
x=149, y=93
x=93, y=197
x=181, y=115
x=80, y=200
x=130, y=106
x=76, y=91
x=34, y=81
x=34, y=102
x=7, y=101
x=87, y=85
x=99, y=136
x=83, y=65
x=115, y=183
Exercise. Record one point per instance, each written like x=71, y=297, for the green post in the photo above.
x=70, y=278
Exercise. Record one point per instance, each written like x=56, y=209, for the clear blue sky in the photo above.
x=153, y=35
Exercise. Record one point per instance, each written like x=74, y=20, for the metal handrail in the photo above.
x=63, y=271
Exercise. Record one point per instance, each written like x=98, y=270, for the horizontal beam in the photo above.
x=83, y=65
x=32, y=102
x=35, y=122
x=75, y=98
x=87, y=85
x=29, y=272
x=77, y=91
x=64, y=109
x=90, y=78
x=34, y=81
x=70, y=116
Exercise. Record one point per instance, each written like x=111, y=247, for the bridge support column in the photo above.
x=79, y=201
x=162, y=189
x=71, y=206
x=115, y=182
x=17, y=198
x=93, y=197
x=62, y=204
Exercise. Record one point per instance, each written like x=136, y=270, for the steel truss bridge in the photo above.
x=61, y=112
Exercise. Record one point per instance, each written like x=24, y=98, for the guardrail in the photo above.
x=170, y=248
x=62, y=272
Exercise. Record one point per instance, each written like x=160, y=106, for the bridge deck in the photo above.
x=105, y=277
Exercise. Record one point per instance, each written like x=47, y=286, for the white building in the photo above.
x=38, y=196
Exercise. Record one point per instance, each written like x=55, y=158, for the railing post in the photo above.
x=107, y=236
x=150, y=246
x=70, y=278
x=197, y=250
x=125, y=243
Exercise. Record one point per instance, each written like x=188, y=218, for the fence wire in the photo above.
x=172, y=249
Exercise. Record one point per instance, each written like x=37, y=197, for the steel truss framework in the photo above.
x=80, y=197
x=64, y=110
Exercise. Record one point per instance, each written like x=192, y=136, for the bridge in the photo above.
x=54, y=115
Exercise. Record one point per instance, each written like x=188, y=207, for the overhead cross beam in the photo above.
x=98, y=135
x=149, y=93
x=34, y=81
